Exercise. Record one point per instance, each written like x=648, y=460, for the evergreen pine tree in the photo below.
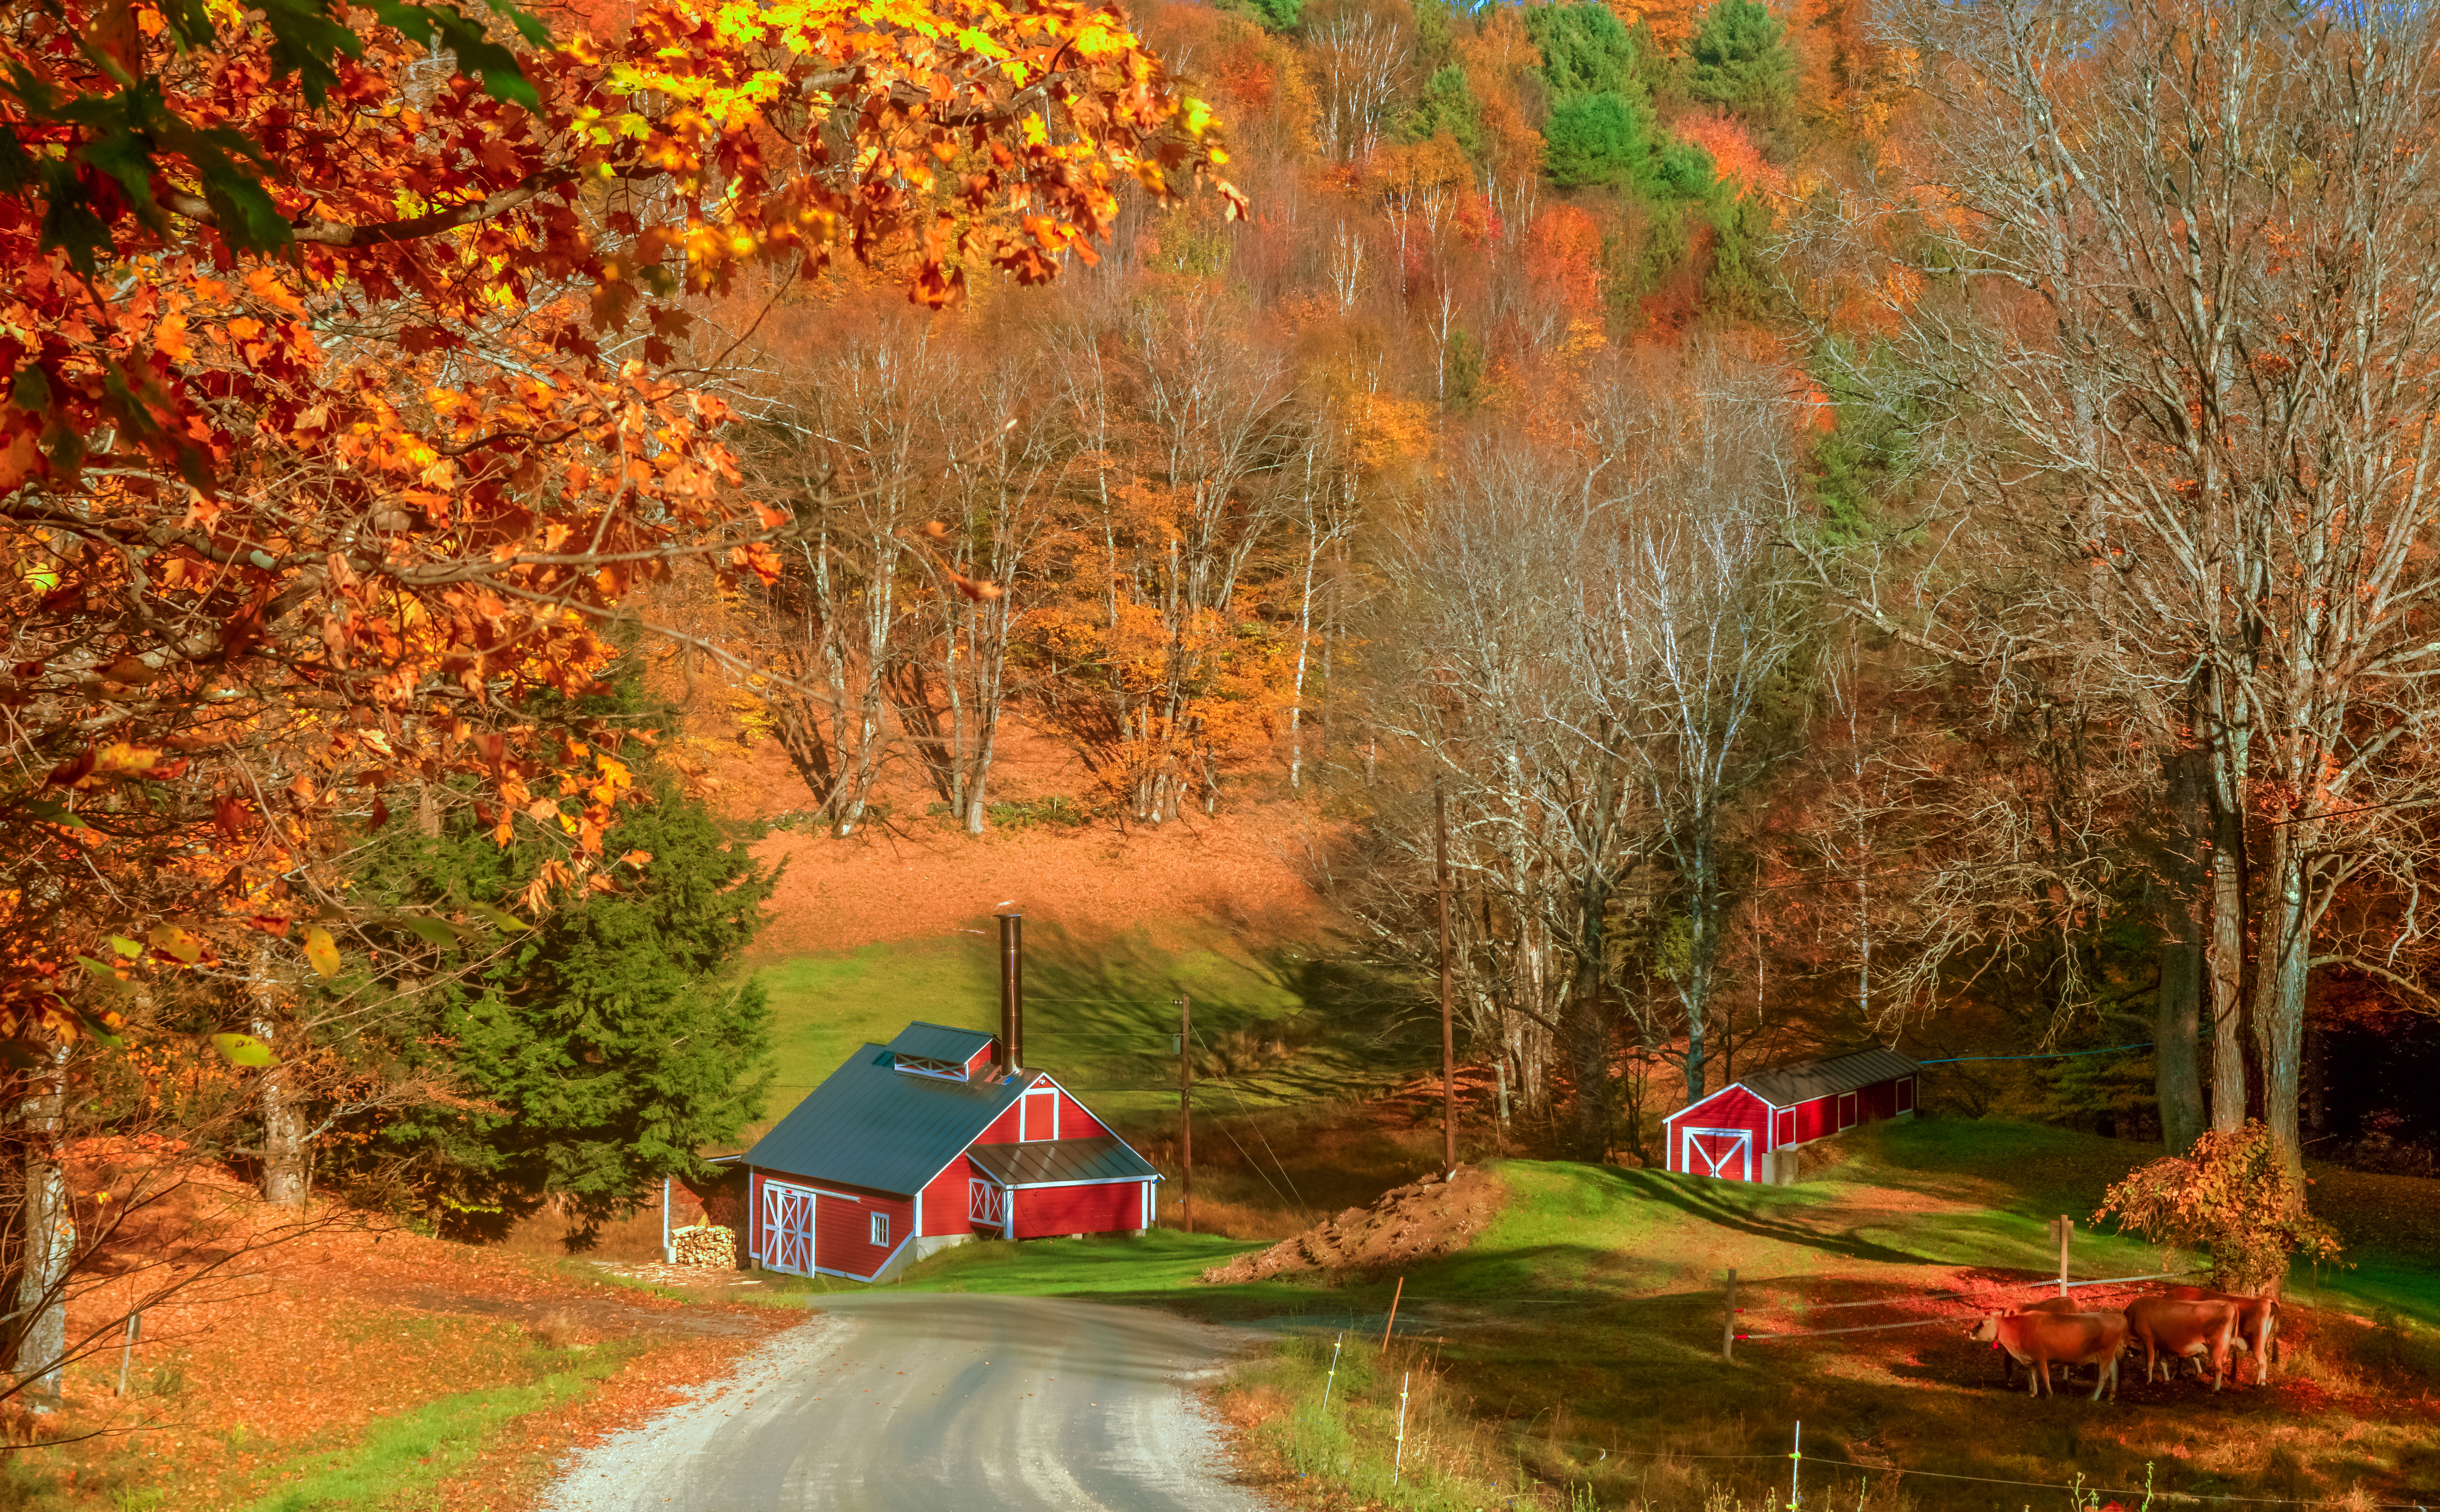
x=1447, y=105
x=598, y=1051
x=1740, y=59
x=1586, y=51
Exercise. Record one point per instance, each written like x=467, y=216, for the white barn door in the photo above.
x=787, y=1228
x=986, y=1203
x=1727, y=1153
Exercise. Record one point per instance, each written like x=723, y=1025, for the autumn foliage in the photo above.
x=340, y=424
x=2231, y=1199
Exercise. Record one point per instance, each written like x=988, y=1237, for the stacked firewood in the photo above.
x=708, y=1245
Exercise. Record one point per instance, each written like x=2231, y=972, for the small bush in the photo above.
x=1052, y=812
x=2231, y=1198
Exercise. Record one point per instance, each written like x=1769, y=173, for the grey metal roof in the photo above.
x=871, y=1125
x=1787, y=1086
x=938, y=1042
x=1045, y=1160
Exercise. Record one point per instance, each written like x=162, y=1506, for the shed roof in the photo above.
x=1044, y=1161
x=1787, y=1086
x=940, y=1042
x=869, y=1126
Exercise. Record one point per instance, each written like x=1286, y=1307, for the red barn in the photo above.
x=924, y=1143
x=1749, y=1130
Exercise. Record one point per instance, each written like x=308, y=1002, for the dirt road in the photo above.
x=914, y=1402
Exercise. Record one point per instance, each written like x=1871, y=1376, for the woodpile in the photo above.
x=709, y=1246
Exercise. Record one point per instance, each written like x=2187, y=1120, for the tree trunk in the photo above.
x=284, y=1163
x=1588, y=1039
x=2227, y=957
x=2176, y=1030
x=51, y=1239
x=2279, y=994
x=2176, y=1013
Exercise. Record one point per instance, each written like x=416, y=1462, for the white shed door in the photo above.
x=787, y=1228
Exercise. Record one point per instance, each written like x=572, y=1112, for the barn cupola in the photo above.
x=951, y=1054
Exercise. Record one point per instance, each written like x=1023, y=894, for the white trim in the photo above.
x=917, y=1232
x=771, y=1213
x=1733, y=1086
x=1023, y=1123
x=1743, y=1136
x=1099, y=1181
x=885, y=1262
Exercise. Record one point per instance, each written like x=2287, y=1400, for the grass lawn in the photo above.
x=1576, y=1346
x=403, y=1456
x=1161, y=1268
x=1101, y=1014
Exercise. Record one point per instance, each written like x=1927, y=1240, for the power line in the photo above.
x=2057, y=1054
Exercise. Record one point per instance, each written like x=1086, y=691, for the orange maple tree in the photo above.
x=330, y=444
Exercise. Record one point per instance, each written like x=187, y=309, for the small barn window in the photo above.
x=1846, y=1110
x=1905, y=1094
x=881, y=1230
x=1786, y=1127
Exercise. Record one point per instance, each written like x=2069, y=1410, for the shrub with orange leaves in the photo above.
x=2231, y=1198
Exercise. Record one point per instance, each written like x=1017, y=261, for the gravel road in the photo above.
x=921, y=1403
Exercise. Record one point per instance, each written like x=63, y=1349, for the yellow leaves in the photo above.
x=179, y=944
x=637, y=858
x=321, y=951
x=245, y=1049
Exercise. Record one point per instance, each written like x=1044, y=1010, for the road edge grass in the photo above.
x=399, y=1457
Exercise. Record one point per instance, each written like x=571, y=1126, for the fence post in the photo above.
x=127, y=1351
x=1796, y=1468
x=1333, y=1377
x=1393, y=1314
x=1729, y=1318
x=1398, y=1465
x=2066, y=1232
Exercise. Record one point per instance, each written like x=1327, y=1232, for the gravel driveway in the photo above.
x=920, y=1402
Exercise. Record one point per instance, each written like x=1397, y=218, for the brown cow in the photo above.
x=2040, y=1338
x=2258, y=1319
x=2050, y=1305
x=2172, y=1327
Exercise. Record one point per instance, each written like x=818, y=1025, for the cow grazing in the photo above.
x=2041, y=1339
x=2049, y=1305
x=2258, y=1319
x=2177, y=1328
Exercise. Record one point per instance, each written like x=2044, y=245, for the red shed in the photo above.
x=1745, y=1131
x=924, y=1143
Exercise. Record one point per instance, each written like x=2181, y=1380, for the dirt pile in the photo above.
x=1417, y=1221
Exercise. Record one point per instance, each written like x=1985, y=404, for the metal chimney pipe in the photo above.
x=1012, y=991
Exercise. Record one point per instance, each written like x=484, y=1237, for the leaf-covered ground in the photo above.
x=355, y=1365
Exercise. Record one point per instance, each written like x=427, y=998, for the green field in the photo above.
x=1101, y=1014
x=1576, y=1346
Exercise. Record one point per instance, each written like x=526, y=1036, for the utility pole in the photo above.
x=1186, y=1101
x=1448, y=1031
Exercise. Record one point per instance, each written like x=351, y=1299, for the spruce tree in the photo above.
x=1740, y=59
x=601, y=1050
x=1448, y=105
